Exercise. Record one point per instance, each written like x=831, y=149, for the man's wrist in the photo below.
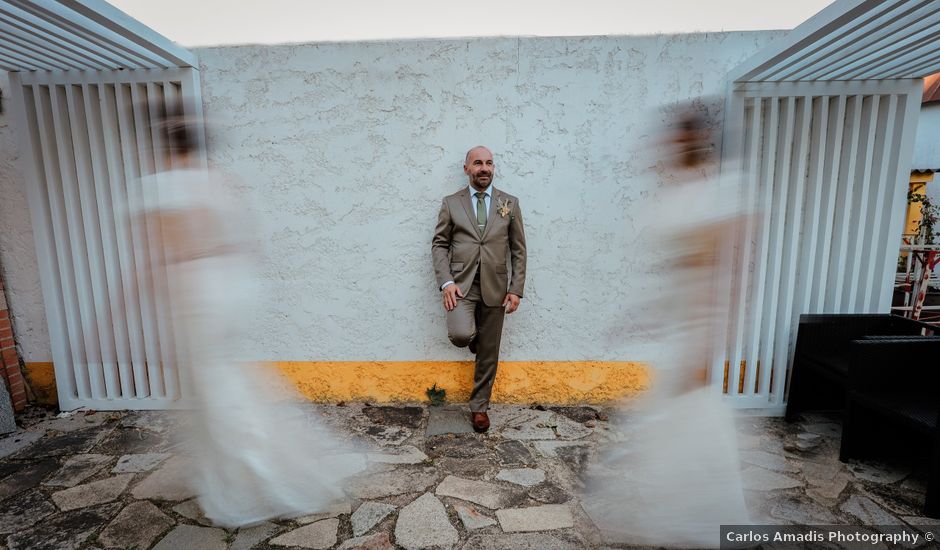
x=445, y=285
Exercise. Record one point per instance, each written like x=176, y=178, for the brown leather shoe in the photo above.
x=480, y=421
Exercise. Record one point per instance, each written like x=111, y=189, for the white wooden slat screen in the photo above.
x=89, y=140
x=824, y=168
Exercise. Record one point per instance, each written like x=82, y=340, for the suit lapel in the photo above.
x=495, y=196
x=464, y=198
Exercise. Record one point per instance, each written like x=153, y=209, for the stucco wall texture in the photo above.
x=344, y=151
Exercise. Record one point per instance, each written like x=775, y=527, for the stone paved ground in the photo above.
x=114, y=480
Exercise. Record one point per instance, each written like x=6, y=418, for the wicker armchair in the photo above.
x=823, y=352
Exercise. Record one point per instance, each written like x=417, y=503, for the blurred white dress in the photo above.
x=673, y=477
x=255, y=455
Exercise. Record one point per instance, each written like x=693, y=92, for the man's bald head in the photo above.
x=479, y=167
x=477, y=148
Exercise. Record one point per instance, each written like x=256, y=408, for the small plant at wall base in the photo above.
x=436, y=395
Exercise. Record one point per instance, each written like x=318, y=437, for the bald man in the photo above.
x=479, y=230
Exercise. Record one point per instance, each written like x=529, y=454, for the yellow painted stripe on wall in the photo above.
x=389, y=381
x=516, y=381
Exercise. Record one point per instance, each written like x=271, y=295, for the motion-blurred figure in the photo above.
x=255, y=455
x=674, y=478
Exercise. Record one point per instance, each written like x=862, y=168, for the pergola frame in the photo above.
x=820, y=126
x=86, y=80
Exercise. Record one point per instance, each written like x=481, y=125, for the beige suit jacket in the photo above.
x=458, y=249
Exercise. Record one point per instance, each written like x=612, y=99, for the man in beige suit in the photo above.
x=478, y=229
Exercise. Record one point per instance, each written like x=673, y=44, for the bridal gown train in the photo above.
x=256, y=456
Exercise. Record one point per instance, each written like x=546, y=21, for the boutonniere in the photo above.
x=504, y=207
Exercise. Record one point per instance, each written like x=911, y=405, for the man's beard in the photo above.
x=478, y=183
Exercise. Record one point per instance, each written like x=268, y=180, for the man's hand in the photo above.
x=513, y=303
x=451, y=294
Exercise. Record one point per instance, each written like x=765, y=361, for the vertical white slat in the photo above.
x=134, y=383
x=24, y=109
x=745, y=249
x=830, y=194
x=78, y=239
x=168, y=355
x=732, y=162
x=840, y=259
x=171, y=375
x=71, y=291
x=777, y=217
x=785, y=323
x=863, y=191
x=145, y=156
x=905, y=132
x=765, y=186
x=104, y=376
x=120, y=381
x=881, y=191
x=816, y=188
x=128, y=101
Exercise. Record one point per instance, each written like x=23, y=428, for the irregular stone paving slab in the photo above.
x=66, y=444
x=331, y=510
x=249, y=537
x=191, y=510
x=77, y=469
x=78, y=420
x=388, y=435
x=470, y=468
x=490, y=495
x=424, y=524
x=396, y=482
x=68, y=531
x=321, y=534
x=166, y=483
x=137, y=526
x=409, y=417
x=190, y=537
x=549, y=449
x=408, y=454
x=575, y=457
x=768, y=461
x=125, y=441
x=535, y=518
x=526, y=541
x=877, y=472
x=802, y=511
x=22, y=512
x=368, y=515
x=378, y=541
x=448, y=421
x=472, y=518
x=759, y=479
x=578, y=414
x=921, y=521
x=16, y=442
x=455, y=446
x=27, y=477
x=139, y=462
x=549, y=493
x=527, y=477
x=532, y=424
x=91, y=494
x=868, y=512
x=514, y=453
x=825, y=429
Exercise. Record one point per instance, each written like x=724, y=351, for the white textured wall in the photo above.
x=18, y=264
x=345, y=151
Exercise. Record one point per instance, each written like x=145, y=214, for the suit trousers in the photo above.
x=474, y=319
